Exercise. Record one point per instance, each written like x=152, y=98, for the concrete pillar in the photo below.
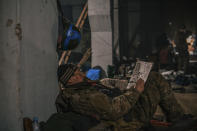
x=101, y=32
x=28, y=82
x=116, y=46
x=38, y=57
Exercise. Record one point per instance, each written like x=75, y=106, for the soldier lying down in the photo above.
x=86, y=105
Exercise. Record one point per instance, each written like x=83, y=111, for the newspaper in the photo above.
x=141, y=70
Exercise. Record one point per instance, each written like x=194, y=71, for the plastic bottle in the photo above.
x=35, y=125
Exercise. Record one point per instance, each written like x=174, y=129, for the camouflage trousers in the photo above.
x=157, y=92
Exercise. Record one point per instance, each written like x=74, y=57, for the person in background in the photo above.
x=163, y=51
x=182, y=49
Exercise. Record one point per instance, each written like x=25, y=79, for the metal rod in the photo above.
x=67, y=57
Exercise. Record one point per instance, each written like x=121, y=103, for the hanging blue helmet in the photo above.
x=71, y=38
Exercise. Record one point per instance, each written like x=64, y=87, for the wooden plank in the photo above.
x=82, y=14
x=62, y=58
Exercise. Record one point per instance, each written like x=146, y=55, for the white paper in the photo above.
x=141, y=70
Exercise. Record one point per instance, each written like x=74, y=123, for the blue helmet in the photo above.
x=71, y=38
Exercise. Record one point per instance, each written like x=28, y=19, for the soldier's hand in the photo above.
x=140, y=85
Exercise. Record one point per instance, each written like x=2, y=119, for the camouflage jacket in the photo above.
x=126, y=110
x=97, y=100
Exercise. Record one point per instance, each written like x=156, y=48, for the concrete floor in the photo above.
x=187, y=100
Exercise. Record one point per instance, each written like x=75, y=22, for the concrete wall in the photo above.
x=28, y=83
x=101, y=32
x=9, y=67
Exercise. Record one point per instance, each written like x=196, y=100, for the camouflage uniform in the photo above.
x=124, y=110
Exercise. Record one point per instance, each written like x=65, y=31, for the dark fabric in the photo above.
x=61, y=104
x=69, y=122
x=186, y=123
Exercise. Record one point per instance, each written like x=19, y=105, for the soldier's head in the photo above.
x=70, y=74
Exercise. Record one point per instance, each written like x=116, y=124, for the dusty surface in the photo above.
x=187, y=100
